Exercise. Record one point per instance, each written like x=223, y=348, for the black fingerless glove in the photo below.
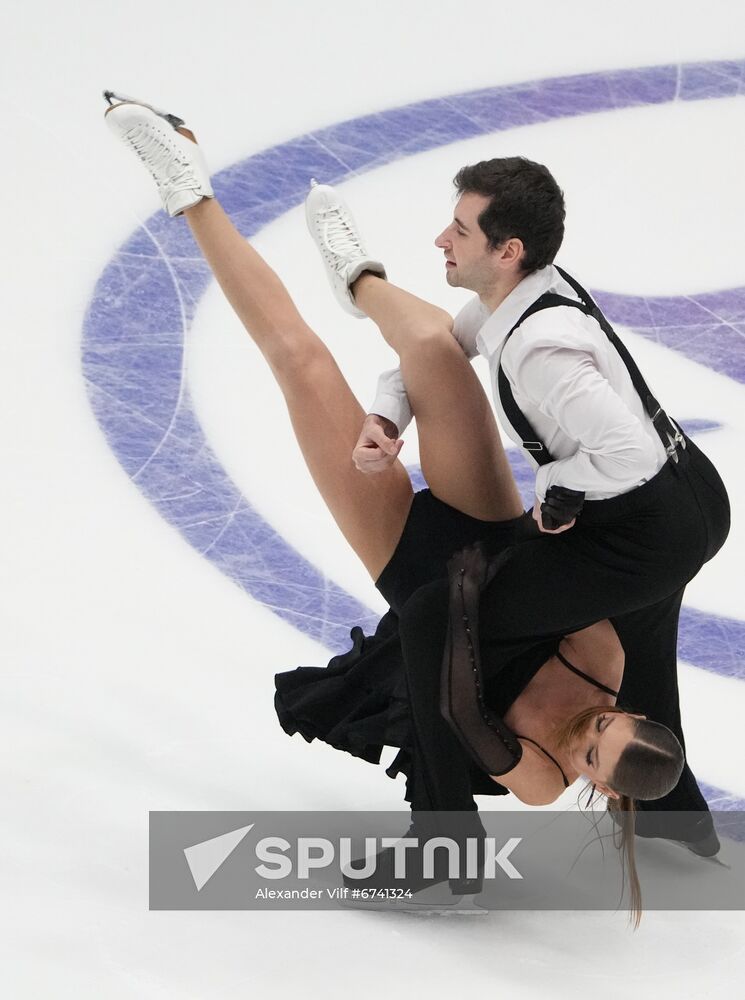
x=560, y=506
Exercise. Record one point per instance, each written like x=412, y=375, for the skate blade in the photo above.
x=429, y=904
x=712, y=860
x=465, y=907
x=421, y=909
x=111, y=97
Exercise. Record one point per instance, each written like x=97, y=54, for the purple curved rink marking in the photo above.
x=146, y=298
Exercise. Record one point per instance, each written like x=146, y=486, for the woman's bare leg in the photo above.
x=326, y=417
x=461, y=452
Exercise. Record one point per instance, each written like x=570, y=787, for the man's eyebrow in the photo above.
x=456, y=219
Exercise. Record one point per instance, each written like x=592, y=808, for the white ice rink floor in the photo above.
x=156, y=506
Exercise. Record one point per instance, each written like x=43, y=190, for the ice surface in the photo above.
x=162, y=559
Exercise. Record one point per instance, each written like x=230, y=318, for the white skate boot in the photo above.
x=165, y=147
x=333, y=228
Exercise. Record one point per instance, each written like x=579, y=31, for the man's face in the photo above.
x=469, y=261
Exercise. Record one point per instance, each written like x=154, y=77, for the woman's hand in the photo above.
x=378, y=445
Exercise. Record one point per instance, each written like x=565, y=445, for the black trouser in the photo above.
x=627, y=559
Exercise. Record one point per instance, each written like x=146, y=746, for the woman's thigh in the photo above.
x=462, y=456
x=461, y=452
x=370, y=511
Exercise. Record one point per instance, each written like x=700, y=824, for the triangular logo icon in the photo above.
x=204, y=859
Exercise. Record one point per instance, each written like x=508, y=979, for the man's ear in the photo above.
x=512, y=249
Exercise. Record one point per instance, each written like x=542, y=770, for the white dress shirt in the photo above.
x=568, y=380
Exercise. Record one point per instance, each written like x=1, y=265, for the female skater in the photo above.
x=561, y=702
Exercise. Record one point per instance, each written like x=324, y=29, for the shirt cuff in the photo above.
x=393, y=408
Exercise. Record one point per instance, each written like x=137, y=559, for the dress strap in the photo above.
x=563, y=776
x=584, y=676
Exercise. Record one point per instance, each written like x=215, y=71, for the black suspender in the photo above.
x=669, y=433
x=530, y=439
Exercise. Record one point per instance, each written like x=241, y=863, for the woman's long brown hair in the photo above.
x=623, y=808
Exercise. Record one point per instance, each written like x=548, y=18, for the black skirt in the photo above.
x=358, y=703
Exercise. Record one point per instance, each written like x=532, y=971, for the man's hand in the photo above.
x=559, y=510
x=548, y=531
x=378, y=445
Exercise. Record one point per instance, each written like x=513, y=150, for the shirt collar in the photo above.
x=508, y=312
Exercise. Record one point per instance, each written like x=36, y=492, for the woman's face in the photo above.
x=595, y=752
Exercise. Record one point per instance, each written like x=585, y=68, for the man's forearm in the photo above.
x=391, y=402
x=391, y=429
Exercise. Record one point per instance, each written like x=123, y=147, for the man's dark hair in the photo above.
x=525, y=202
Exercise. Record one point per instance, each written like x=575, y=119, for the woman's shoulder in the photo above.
x=535, y=780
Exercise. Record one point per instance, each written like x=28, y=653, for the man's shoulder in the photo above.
x=555, y=326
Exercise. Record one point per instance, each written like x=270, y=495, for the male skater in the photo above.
x=628, y=508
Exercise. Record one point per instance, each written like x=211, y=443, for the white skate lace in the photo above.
x=339, y=236
x=165, y=163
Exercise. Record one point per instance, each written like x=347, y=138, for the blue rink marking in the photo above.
x=144, y=302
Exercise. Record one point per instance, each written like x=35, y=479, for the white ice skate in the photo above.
x=333, y=228
x=168, y=150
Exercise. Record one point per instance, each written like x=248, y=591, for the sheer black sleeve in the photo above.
x=489, y=741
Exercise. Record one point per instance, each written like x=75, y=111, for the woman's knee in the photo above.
x=297, y=352
x=431, y=328
x=432, y=340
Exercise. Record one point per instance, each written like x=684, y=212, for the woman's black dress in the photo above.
x=359, y=703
